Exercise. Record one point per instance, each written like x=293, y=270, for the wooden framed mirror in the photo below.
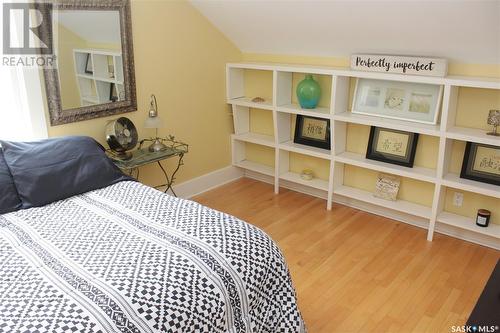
x=94, y=76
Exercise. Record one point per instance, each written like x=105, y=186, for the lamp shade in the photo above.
x=153, y=122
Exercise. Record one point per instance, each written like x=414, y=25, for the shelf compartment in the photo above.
x=402, y=125
x=286, y=84
x=90, y=99
x=398, y=205
x=243, y=84
x=418, y=173
x=101, y=63
x=470, y=108
x=306, y=150
x=80, y=58
x=260, y=139
x=254, y=166
x=317, y=183
x=453, y=180
x=319, y=112
x=246, y=101
x=473, y=135
x=103, y=91
x=253, y=156
x=468, y=223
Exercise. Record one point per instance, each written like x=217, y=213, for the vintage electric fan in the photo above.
x=121, y=136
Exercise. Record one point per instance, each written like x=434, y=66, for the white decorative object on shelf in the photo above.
x=281, y=146
x=494, y=120
x=398, y=100
x=399, y=64
x=307, y=174
x=258, y=99
x=387, y=187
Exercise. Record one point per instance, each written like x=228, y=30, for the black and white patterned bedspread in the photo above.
x=128, y=258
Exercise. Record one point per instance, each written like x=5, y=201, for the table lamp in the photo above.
x=494, y=120
x=153, y=121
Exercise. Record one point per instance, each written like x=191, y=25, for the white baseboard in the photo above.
x=382, y=211
x=207, y=182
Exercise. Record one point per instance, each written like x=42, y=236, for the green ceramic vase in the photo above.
x=308, y=92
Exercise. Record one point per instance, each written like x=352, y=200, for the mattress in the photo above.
x=128, y=258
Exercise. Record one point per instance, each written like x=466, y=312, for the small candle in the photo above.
x=483, y=217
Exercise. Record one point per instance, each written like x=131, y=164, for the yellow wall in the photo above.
x=472, y=108
x=67, y=42
x=260, y=154
x=474, y=105
x=180, y=57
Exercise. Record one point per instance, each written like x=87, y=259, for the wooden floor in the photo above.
x=358, y=272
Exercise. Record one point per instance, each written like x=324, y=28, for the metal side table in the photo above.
x=143, y=156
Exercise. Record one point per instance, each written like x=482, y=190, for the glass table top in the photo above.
x=143, y=156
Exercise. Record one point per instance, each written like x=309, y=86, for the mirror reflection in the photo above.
x=89, y=56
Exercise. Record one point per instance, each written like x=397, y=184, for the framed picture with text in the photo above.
x=415, y=102
x=481, y=163
x=392, y=146
x=312, y=131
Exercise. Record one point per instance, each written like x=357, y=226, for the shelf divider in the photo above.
x=468, y=223
x=419, y=173
x=398, y=205
x=415, y=127
x=317, y=183
x=306, y=150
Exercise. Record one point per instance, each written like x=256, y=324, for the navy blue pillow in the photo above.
x=54, y=169
x=9, y=200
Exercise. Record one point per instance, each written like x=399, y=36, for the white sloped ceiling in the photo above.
x=464, y=31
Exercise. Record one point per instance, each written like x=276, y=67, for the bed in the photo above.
x=128, y=258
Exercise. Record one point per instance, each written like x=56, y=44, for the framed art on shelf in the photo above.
x=88, y=65
x=387, y=187
x=312, y=131
x=113, y=93
x=392, y=146
x=415, y=102
x=481, y=163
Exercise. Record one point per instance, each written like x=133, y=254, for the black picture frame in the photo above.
x=113, y=93
x=88, y=65
x=409, y=155
x=301, y=138
x=468, y=171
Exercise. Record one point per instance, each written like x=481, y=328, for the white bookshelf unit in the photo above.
x=433, y=217
x=95, y=88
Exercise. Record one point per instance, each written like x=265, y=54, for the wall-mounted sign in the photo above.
x=399, y=64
